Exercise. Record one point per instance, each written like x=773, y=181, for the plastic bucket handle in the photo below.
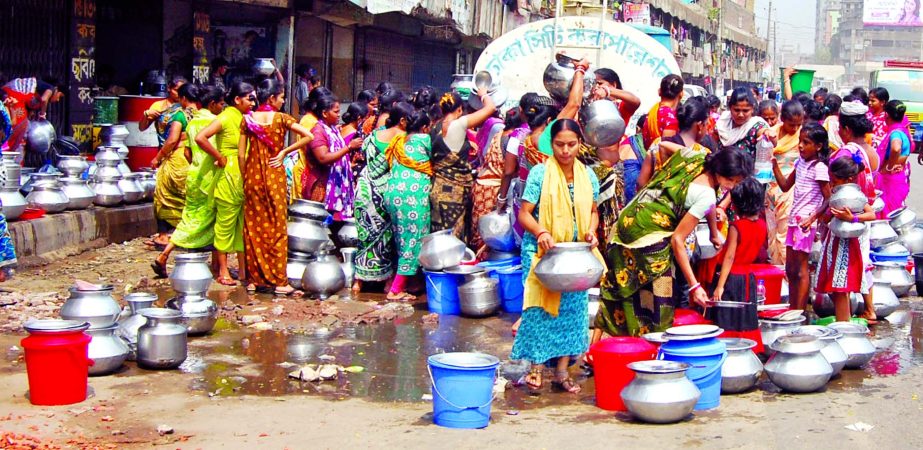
x=714, y=369
x=436, y=390
x=435, y=287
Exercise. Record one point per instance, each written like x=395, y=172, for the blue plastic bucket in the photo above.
x=442, y=292
x=511, y=288
x=462, y=385
x=493, y=266
x=705, y=356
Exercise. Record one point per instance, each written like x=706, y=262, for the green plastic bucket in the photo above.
x=802, y=80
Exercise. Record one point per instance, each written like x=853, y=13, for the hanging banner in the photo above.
x=518, y=58
x=637, y=13
x=895, y=13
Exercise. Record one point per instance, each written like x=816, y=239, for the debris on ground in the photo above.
x=164, y=429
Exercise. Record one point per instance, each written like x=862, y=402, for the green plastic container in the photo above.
x=105, y=110
x=802, y=80
x=828, y=320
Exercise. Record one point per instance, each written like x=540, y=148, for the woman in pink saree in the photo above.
x=893, y=150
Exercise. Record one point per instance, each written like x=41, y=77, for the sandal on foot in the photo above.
x=534, y=379
x=566, y=385
x=225, y=281
x=284, y=290
x=159, y=269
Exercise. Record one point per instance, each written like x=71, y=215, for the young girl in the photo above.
x=810, y=180
x=769, y=111
x=745, y=241
x=840, y=271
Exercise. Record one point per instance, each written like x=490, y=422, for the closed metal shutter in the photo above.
x=34, y=43
x=433, y=65
x=388, y=57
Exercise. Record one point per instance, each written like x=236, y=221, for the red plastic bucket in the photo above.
x=57, y=361
x=688, y=317
x=611, y=357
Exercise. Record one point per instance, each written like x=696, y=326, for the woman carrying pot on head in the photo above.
x=407, y=198
x=558, y=205
x=894, y=172
x=261, y=151
x=651, y=232
x=173, y=162
x=196, y=228
x=229, y=184
x=452, y=178
x=375, y=256
x=786, y=137
x=854, y=126
x=738, y=128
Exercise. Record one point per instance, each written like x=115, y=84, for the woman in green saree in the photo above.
x=651, y=231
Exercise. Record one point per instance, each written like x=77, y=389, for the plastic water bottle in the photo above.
x=763, y=163
x=760, y=293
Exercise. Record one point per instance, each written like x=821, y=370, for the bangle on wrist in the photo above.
x=855, y=218
x=540, y=233
x=694, y=287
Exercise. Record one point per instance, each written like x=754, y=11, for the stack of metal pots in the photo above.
x=496, y=231
x=191, y=278
x=106, y=177
x=130, y=323
x=78, y=192
x=307, y=234
x=113, y=136
x=14, y=203
x=96, y=306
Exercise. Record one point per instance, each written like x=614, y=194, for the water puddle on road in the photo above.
x=392, y=355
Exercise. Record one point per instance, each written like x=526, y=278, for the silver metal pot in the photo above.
x=149, y=183
x=306, y=235
x=911, y=239
x=441, y=250
x=742, y=369
x=47, y=197
x=559, y=77
x=264, y=66
x=10, y=160
x=107, y=350
x=497, y=231
x=114, y=135
x=348, y=235
x=478, y=296
x=798, y=365
x=770, y=329
x=832, y=351
x=162, y=340
x=295, y=268
x=308, y=210
x=848, y=196
x=324, y=276
x=73, y=165
x=129, y=326
x=846, y=230
x=894, y=249
x=199, y=314
x=40, y=135
x=886, y=302
x=14, y=204
x=106, y=191
x=897, y=274
x=131, y=189
x=497, y=93
x=881, y=233
x=569, y=267
x=603, y=125
x=191, y=275
x=660, y=392
x=95, y=306
x=79, y=195
x=902, y=220
x=855, y=342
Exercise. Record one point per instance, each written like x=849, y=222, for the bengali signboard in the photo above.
x=636, y=13
x=518, y=58
x=895, y=13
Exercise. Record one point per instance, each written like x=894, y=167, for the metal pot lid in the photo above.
x=467, y=360
x=654, y=338
x=797, y=344
x=140, y=297
x=820, y=332
x=192, y=256
x=849, y=328
x=55, y=326
x=464, y=270
x=692, y=330
x=98, y=288
x=774, y=322
x=735, y=344
x=658, y=366
x=160, y=313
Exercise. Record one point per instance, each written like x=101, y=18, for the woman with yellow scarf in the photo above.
x=786, y=137
x=558, y=205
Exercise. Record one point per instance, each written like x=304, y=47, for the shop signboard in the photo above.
x=896, y=13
